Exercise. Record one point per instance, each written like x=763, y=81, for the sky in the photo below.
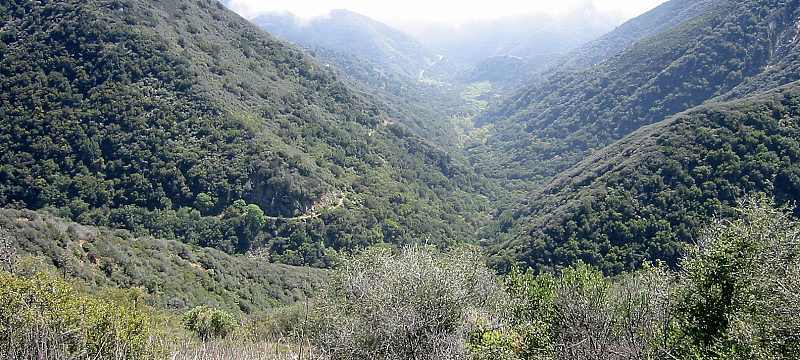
x=442, y=11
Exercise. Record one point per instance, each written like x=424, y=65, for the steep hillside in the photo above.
x=424, y=107
x=663, y=18
x=348, y=32
x=180, y=119
x=649, y=194
x=176, y=276
x=553, y=124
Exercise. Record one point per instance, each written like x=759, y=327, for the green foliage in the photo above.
x=739, y=288
x=42, y=316
x=734, y=298
x=699, y=52
x=581, y=314
x=495, y=344
x=617, y=165
x=204, y=202
x=645, y=197
x=209, y=323
x=201, y=109
x=174, y=275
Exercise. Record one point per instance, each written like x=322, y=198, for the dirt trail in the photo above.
x=326, y=202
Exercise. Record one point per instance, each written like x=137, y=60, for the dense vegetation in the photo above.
x=424, y=108
x=44, y=317
x=416, y=304
x=181, y=120
x=646, y=196
x=383, y=62
x=165, y=165
x=734, y=297
x=551, y=125
x=173, y=274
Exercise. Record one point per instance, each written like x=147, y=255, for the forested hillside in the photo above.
x=182, y=120
x=383, y=62
x=551, y=125
x=647, y=196
x=423, y=107
x=175, y=182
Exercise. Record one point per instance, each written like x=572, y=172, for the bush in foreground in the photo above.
x=209, y=323
x=44, y=317
x=415, y=304
x=740, y=288
x=580, y=315
x=737, y=296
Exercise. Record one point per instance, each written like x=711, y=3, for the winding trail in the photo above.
x=315, y=212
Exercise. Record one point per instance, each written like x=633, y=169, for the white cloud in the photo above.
x=446, y=11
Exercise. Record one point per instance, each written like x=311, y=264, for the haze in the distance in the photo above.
x=452, y=12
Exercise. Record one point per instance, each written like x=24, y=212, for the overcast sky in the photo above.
x=444, y=11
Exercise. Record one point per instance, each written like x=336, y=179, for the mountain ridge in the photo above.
x=358, y=35
x=557, y=121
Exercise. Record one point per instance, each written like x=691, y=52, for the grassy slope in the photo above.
x=175, y=275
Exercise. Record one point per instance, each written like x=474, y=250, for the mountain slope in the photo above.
x=175, y=275
x=180, y=119
x=647, y=195
x=381, y=61
x=551, y=125
x=351, y=33
x=663, y=18
x=510, y=51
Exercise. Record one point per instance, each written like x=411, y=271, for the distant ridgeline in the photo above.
x=180, y=119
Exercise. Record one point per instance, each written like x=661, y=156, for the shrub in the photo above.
x=736, y=297
x=8, y=253
x=415, y=304
x=43, y=317
x=740, y=293
x=583, y=315
x=209, y=323
x=279, y=323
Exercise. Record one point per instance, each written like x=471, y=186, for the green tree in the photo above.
x=739, y=288
x=42, y=315
x=205, y=202
x=209, y=323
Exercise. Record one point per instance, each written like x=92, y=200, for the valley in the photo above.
x=279, y=187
